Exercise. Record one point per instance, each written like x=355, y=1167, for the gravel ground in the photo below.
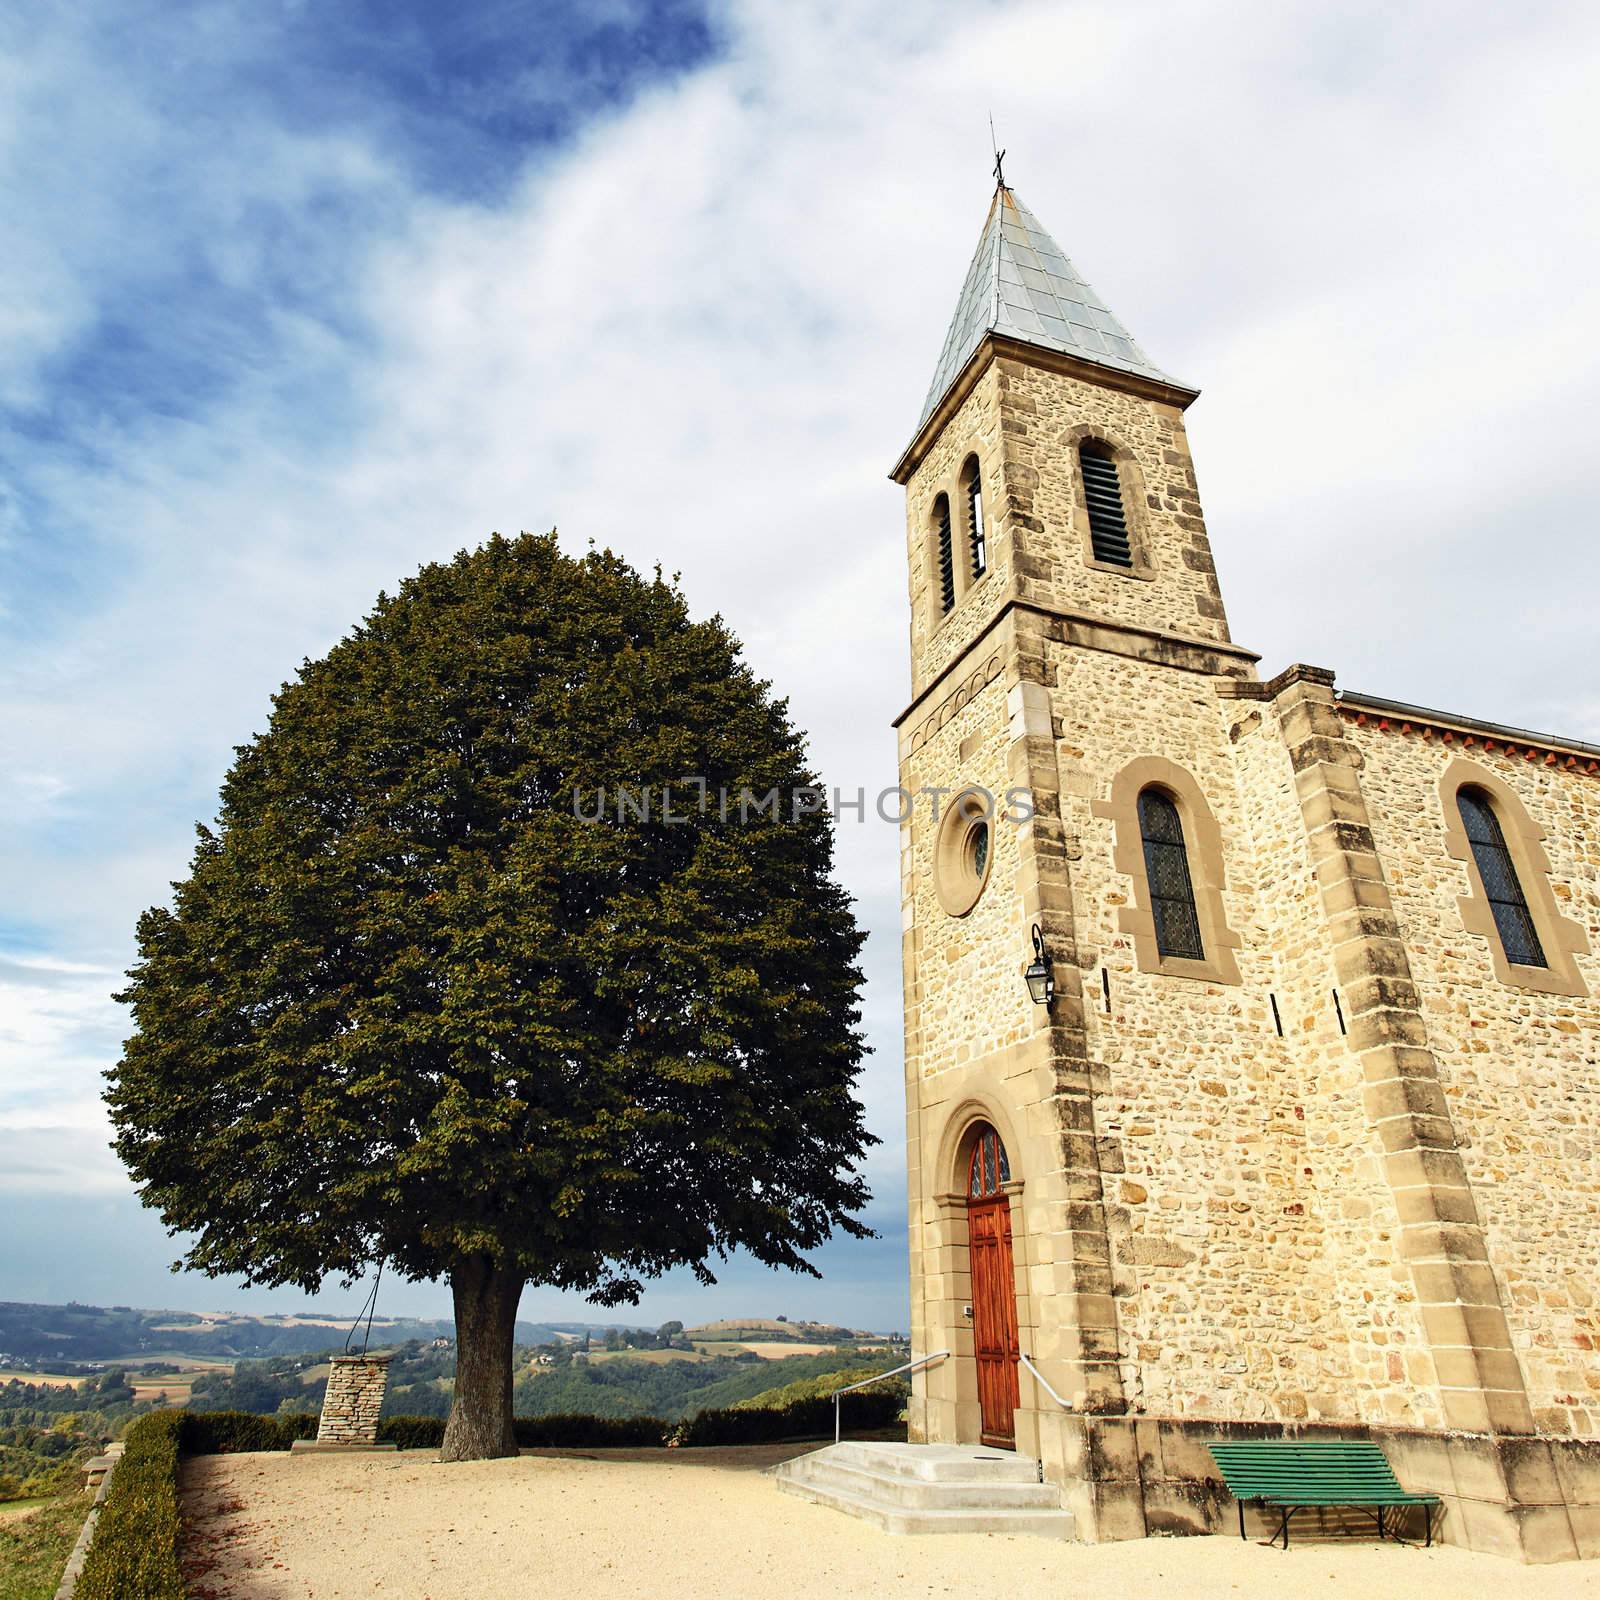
x=708, y=1525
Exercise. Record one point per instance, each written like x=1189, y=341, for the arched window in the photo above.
x=947, y=555
x=978, y=548
x=1166, y=866
x=1102, y=493
x=989, y=1168
x=1501, y=886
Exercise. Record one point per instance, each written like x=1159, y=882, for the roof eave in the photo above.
x=994, y=346
x=1356, y=703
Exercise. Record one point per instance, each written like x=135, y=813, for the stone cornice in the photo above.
x=1183, y=651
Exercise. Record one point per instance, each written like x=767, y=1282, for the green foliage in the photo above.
x=534, y=1433
x=259, y=1386
x=407, y=1004
x=134, y=1554
x=624, y=1388
x=34, y=1548
x=279, y=1384
x=412, y=1433
x=869, y=1411
x=46, y=1430
x=207, y=1433
x=568, y=1431
x=753, y=1378
x=823, y=1385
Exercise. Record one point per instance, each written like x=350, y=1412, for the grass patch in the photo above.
x=22, y=1506
x=34, y=1548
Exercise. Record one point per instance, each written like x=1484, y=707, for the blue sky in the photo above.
x=297, y=297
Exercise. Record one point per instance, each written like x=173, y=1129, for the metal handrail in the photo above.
x=866, y=1383
x=1042, y=1381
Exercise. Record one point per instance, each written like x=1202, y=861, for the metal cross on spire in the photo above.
x=999, y=156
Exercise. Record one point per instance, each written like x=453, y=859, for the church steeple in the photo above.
x=1022, y=286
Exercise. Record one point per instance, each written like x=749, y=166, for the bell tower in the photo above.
x=1075, y=438
x=1052, y=520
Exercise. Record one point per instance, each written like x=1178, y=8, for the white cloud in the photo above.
x=702, y=332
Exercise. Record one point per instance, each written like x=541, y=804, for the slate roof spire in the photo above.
x=1022, y=286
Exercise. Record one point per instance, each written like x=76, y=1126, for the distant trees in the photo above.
x=409, y=1006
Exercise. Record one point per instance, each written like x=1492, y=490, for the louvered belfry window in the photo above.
x=979, y=551
x=947, y=554
x=1166, y=866
x=1102, y=491
x=1500, y=883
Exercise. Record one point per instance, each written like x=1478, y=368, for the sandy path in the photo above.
x=707, y=1525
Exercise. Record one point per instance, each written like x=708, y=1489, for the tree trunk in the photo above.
x=486, y=1297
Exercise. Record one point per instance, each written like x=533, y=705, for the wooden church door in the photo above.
x=994, y=1293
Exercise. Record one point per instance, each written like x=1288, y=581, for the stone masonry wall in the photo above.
x=938, y=638
x=1379, y=1369
x=353, y=1401
x=1229, y=1295
x=1043, y=417
x=1520, y=1070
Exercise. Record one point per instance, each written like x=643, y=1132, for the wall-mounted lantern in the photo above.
x=1039, y=978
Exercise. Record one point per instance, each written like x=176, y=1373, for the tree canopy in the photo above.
x=423, y=998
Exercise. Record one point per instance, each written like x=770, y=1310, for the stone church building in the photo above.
x=1308, y=1136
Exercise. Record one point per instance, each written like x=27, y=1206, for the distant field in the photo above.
x=777, y=1349
x=170, y=1358
x=731, y=1327
x=178, y=1390
x=655, y=1357
x=54, y=1380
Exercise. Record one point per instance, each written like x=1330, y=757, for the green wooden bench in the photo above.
x=1288, y=1475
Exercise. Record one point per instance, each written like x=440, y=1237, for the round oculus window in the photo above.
x=963, y=851
x=978, y=849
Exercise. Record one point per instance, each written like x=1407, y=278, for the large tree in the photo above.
x=423, y=999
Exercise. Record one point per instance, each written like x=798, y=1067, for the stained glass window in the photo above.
x=1500, y=883
x=990, y=1166
x=1166, y=865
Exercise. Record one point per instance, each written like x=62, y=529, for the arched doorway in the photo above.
x=994, y=1292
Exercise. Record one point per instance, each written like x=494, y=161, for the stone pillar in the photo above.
x=351, y=1406
x=1441, y=1239
x=1081, y=1335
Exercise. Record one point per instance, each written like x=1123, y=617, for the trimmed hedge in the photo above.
x=134, y=1555
x=212, y=1432
x=538, y=1433
x=209, y=1433
x=412, y=1433
x=574, y=1429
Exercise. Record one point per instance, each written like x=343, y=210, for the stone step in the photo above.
x=904, y=1520
x=927, y=1494
x=938, y=1462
